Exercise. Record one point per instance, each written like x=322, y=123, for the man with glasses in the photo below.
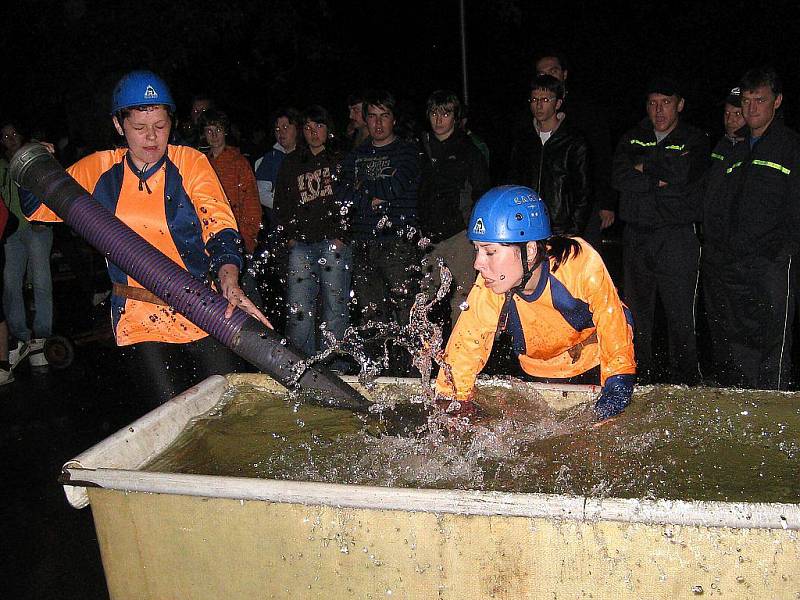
x=656, y=164
x=588, y=113
x=553, y=160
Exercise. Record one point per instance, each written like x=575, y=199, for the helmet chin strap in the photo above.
x=527, y=270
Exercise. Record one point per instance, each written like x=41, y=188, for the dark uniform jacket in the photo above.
x=752, y=196
x=559, y=171
x=679, y=160
x=453, y=176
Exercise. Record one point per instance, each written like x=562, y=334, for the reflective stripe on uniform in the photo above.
x=733, y=166
x=675, y=147
x=772, y=165
x=717, y=156
x=761, y=163
x=641, y=143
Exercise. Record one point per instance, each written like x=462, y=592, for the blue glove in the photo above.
x=616, y=395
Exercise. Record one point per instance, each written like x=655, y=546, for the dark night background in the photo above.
x=62, y=58
x=255, y=55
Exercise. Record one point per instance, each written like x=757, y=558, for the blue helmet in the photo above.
x=140, y=88
x=509, y=214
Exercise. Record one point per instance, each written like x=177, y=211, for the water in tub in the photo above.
x=672, y=442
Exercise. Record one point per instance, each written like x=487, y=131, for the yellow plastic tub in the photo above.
x=176, y=536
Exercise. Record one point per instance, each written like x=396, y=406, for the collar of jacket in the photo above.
x=453, y=139
x=777, y=123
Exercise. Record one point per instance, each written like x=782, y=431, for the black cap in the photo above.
x=663, y=85
x=734, y=97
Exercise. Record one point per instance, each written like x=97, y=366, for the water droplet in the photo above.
x=697, y=590
x=464, y=305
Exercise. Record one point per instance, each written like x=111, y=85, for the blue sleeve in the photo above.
x=28, y=202
x=225, y=248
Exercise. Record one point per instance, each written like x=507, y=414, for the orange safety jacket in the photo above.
x=177, y=203
x=565, y=310
x=239, y=182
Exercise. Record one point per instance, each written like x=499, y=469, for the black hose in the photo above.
x=35, y=169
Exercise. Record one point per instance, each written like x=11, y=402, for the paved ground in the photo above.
x=51, y=550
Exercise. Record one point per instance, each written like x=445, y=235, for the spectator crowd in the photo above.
x=343, y=226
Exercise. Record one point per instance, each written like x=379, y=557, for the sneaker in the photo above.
x=17, y=355
x=6, y=376
x=37, y=357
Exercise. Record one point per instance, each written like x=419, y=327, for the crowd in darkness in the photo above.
x=347, y=227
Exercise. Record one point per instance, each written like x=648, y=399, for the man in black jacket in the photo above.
x=751, y=218
x=553, y=160
x=591, y=119
x=656, y=165
x=454, y=175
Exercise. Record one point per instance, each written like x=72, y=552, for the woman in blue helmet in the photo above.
x=170, y=196
x=554, y=296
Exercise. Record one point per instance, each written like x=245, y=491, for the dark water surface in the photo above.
x=672, y=443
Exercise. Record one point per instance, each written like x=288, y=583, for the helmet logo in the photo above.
x=150, y=93
x=479, y=228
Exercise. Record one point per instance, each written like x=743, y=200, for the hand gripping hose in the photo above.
x=33, y=168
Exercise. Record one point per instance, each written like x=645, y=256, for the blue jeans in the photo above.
x=317, y=270
x=28, y=250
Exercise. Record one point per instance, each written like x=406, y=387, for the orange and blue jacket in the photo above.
x=565, y=310
x=179, y=207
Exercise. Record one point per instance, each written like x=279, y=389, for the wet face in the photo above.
x=544, y=105
x=12, y=140
x=758, y=108
x=733, y=119
x=215, y=136
x=664, y=111
x=316, y=135
x=199, y=106
x=380, y=124
x=499, y=265
x=286, y=133
x=357, y=114
x=443, y=121
x=147, y=134
x=549, y=65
